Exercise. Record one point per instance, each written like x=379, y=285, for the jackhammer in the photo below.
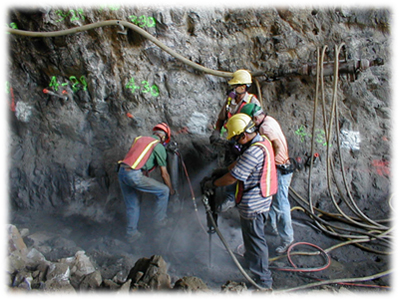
x=173, y=167
x=208, y=196
x=209, y=201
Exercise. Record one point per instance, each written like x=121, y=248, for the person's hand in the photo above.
x=215, y=136
x=209, y=185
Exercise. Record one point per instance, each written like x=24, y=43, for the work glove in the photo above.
x=172, y=147
x=207, y=184
x=215, y=137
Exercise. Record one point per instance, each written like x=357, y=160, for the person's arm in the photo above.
x=226, y=179
x=166, y=179
x=219, y=124
x=277, y=146
x=231, y=166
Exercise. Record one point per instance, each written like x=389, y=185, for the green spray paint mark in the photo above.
x=143, y=21
x=75, y=15
x=75, y=83
x=320, y=137
x=144, y=87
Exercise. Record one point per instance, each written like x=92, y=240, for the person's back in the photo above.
x=272, y=129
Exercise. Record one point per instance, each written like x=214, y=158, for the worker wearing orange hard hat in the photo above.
x=145, y=154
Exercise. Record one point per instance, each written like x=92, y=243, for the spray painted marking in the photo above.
x=23, y=111
x=381, y=167
x=197, y=123
x=13, y=25
x=320, y=135
x=76, y=84
x=75, y=15
x=350, y=139
x=145, y=88
x=143, y=21
x=9, y=90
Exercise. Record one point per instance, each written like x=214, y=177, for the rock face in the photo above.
x=77, y=101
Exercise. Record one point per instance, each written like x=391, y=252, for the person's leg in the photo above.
x=256, y=250
x=131, y=198
x=282, y=208
x=273, y=221
x=160, y=191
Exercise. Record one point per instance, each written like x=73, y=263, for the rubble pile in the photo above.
x=29, y=270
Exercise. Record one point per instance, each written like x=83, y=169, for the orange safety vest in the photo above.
x=268, y=180
x=229, y=99
x=140, y=151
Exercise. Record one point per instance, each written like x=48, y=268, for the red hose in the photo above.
x=296, y=269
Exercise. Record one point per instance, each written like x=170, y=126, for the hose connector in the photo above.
x=124, y=31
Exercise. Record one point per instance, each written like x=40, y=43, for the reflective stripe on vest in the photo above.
x=268, y=181
x=140, y=151
x=229, y=99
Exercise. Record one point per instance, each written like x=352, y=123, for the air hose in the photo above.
x=122, y=24
x=331, y=281
x=362, y=237
x=334, y=115
x=142, y=32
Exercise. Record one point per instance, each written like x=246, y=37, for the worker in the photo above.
x=280, y=213
x=235, y=100
x=145, y=154
x=254, y=174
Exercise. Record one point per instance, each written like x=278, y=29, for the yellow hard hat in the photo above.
x=241, y=77
x=239, y=123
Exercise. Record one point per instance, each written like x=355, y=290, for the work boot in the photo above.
x=225, y=206
x=274, y=231
x=240, y=249
x=266, y=286
x=131, y=238
x=284, y=247
x=163, y=223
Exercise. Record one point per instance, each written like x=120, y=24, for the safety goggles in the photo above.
x=238, y=137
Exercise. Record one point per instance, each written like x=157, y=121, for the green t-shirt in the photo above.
x=158, y=157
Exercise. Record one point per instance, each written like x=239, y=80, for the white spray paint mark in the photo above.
x=350, y=139
x=197, y=123
x=23, y=111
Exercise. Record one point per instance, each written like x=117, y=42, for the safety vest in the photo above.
x=229, y=99
x=268, y=180
x=140, y=151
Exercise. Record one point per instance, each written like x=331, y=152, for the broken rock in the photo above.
x=150, y=274
x=191, y=284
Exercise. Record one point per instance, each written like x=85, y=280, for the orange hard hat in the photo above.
x=165, y=128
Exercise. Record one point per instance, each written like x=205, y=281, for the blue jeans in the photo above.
x=132, y=182
x=280, y=211
x=256, y=250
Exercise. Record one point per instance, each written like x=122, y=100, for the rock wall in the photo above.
x=76, y=101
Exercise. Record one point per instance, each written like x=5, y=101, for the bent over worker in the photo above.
x=280, y=213
x=145, y=154
x=254, y=173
